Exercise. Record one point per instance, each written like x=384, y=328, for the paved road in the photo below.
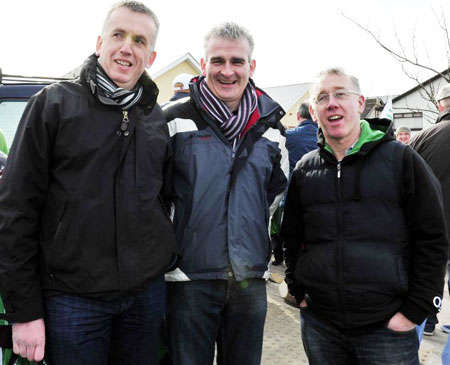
x=283, y=345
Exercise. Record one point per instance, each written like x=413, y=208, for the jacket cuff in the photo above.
x=298, y=293
x=28, y=315
x=413, y=312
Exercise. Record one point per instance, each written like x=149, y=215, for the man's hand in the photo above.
x=400, y=323
x=303, y=304
x=29, y=339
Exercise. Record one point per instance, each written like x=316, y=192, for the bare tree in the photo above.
x=414, y=66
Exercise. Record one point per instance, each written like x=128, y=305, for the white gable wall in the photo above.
x=414, y=110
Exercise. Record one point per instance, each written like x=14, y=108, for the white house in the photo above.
x=414, y=108
x=289, y=97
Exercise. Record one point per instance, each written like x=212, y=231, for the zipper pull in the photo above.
x=125, y=121
x=339, y=170
x=233, y=155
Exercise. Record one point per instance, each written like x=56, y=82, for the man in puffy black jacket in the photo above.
x=85, y=239
x=366, y=243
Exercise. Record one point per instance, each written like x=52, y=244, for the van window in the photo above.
x=10, y=113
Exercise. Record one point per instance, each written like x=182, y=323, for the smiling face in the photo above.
x=403, y=137
x=339, y=119
x=125, y=47
x=227, y=69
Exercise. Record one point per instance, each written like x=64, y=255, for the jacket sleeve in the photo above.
x=280, y=173
x=292, y=234
x=425, y=218
x=22, y=193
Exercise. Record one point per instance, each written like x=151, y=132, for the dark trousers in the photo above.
x=326, y=344
x=88, y=331
x=275, y=239
x=203, y=312
x=277, y=247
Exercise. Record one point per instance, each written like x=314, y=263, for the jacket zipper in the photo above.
x=230, y=182
x=340, y=248
x=125, y=121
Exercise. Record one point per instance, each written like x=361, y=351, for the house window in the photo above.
x=408, y=115
x=413, y=120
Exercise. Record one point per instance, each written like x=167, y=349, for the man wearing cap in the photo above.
x=433, y=144
x=180, y=86
x=230, y=166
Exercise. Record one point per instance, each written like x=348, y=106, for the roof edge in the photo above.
x=186, y=57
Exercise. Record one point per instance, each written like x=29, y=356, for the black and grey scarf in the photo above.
x=110, y=93
x=231, y=124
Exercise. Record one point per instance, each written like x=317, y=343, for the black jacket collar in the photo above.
x=88, y=77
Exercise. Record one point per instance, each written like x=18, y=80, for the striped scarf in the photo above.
x=114, y=94
x=231, y=124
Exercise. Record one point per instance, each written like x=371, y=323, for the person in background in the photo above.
x=433, y=144
x=403, y=134
x=365, y=236
x=230, y=172
x=299, y=141
x=180, y=86
x=84, y=234
x=303, y=138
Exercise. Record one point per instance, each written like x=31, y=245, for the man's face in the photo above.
x=228, y=69
x=339, y=118
x=403, y=137
x=125, y=47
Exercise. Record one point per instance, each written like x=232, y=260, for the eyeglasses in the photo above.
x=339, y=95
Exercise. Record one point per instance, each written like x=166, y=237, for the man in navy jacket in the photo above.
x=230, y=167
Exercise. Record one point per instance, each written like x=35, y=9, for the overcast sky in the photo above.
x=294, y=39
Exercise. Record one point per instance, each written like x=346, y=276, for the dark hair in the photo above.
x=303, y=110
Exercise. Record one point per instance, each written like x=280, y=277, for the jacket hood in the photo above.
x=88, y=77
x=374, y=132
x=444, y=115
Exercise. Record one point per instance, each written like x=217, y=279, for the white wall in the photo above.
x=415, y=102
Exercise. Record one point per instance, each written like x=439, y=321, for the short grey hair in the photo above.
x=231, y=32
x=337, y=71
x=136, y=7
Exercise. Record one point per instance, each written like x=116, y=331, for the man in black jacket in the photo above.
x=85, y=238
x=365, y=236
x=433, y=144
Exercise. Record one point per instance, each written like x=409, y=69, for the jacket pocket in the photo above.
x=402, y=275
x=59, y=227
x=59, y=238
x=164, y=207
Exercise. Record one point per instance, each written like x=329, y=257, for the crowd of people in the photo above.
x=127, y=228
